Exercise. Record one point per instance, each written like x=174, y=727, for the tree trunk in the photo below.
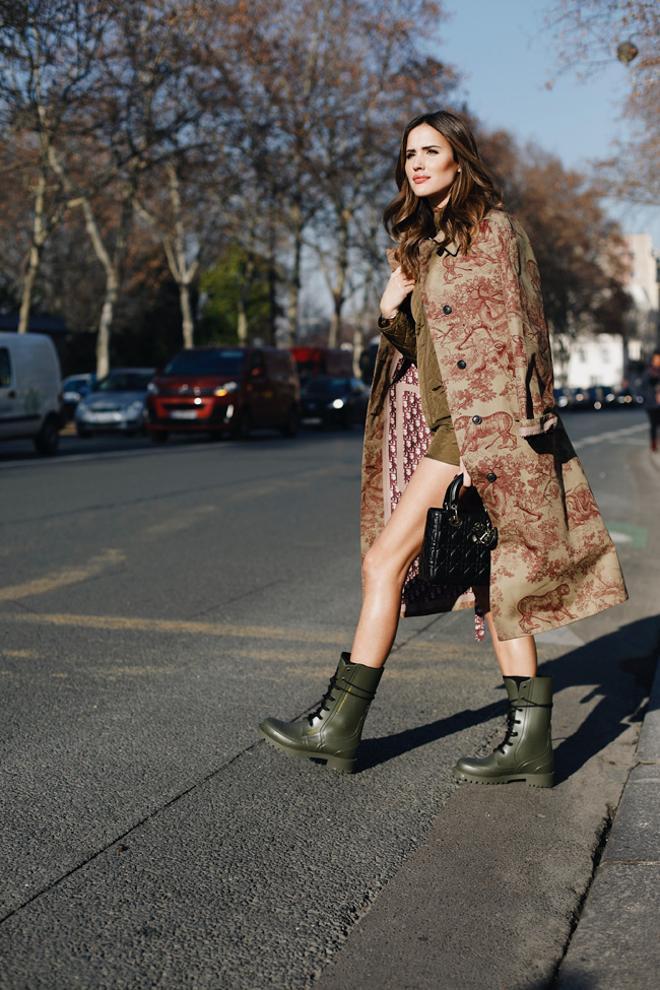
x=110, y=265
x=175, y=251
x=34, y=257
x=293, y=309
x=339, y=288
x=242, y=322
x=105, y=324
x=186, y=314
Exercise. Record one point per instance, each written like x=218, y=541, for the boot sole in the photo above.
x=341, y=764
x=533, y=779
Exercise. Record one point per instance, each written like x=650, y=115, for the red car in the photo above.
x=224, y=390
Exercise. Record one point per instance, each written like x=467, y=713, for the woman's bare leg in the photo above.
x=386, y=564
x=516, y=657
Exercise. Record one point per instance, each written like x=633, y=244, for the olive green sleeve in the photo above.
x=401, y=332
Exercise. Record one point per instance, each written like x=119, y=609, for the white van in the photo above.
x=30, y=387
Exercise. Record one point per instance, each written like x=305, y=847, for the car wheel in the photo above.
x=292, y=423
x=159, y=436
x=48, y=437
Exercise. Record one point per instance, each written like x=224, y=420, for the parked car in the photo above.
x=30, y=390
x=225, y=390
x=562, y=398
x=117, y=403
x=329, y=401
x=593, y=397
x=628, y=397
x=75, y=388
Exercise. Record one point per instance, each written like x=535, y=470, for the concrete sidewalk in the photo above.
x=519, y=889
x=617, y=940
x=513, y=902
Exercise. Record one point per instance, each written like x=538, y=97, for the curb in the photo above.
x=617, y=939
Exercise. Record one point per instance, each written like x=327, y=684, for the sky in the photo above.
x=506, y=56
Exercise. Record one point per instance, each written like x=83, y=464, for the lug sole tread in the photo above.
x=532, y=780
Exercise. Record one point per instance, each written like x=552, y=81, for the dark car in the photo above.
x=593, y=397
x=628, y=397
x=329, y=401
x=225, y=390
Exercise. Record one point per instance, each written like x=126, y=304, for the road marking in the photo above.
x=594, y=438
x=21, y=654
x=64, y=578
x=430, y=651
x=187, y=627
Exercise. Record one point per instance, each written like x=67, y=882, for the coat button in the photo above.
x=446, y=310
x=461, y=364
x=491, y=476
x=476, y=419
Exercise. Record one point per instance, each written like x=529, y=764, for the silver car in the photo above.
x=117, y=403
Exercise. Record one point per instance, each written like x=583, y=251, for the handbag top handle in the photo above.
x=451, y=495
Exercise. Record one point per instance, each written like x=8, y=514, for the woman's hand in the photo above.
x=395, y=292
x=467, y=480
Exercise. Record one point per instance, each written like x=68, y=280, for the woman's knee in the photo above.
x=379, y=566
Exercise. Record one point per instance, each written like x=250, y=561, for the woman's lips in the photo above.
x=420, y=178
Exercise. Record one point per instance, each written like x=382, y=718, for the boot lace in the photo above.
x=510, y=733
x=323, y=707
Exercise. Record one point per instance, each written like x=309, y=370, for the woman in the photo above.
x=651, y=388
x=463, y=382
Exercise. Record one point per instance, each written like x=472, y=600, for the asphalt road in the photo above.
x=156, y=603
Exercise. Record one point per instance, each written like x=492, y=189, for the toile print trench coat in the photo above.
x=554, y=561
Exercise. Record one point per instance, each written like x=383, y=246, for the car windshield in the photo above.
x=75, y=383
x=223, y=363
x=124, y=381
x=328, y=386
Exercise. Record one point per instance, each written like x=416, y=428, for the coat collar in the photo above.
x=451, y=247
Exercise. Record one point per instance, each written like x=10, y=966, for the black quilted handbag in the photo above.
x=458, y=539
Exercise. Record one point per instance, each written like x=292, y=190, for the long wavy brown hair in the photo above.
x=410, y=220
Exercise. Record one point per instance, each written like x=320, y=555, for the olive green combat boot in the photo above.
x=525, y=753
x=331, y=734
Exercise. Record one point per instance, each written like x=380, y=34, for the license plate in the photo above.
x=183, y=414
x=104, y=417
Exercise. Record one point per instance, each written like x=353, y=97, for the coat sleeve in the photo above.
x=401, y=333
x=527, y=334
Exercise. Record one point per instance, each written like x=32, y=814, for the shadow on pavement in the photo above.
x=632, y=649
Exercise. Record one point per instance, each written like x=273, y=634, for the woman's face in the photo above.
x=430, y=165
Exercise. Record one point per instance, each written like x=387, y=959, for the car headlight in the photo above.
x=152, y=388
x=81, y=409
x=338, y=404
x=225, y=389
x=135, y=409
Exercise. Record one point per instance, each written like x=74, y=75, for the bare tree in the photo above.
x=591, y=34
x=49, y=51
